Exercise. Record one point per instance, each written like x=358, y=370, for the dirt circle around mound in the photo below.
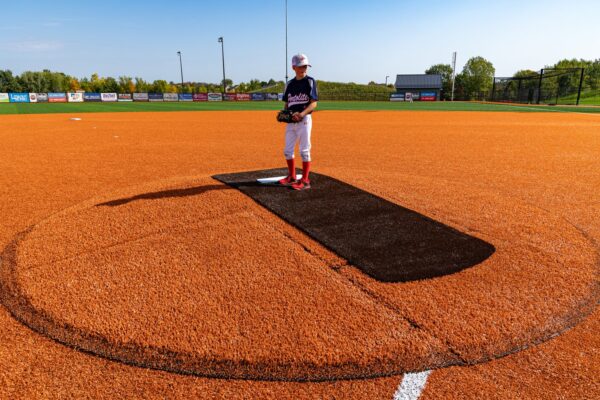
x=191, y=276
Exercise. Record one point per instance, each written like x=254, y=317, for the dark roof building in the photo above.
x=418, y=87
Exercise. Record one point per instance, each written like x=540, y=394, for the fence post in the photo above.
x=540, y=86
x=580, y=84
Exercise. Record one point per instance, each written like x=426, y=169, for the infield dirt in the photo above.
x=128, y=246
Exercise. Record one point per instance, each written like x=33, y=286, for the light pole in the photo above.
x=286, y=43
x=386, y=78
x=223, y=57
x=181, y=69
x=453, y=74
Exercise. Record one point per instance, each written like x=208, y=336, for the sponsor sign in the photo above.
x=125, y=97
x=242, y=97
x=87, y=96
x=140, y=97
x=280, y=96
x=170, y=97
x=186, y=97
x=4, y=98
x=19, y=97
x=75, y=97
x=257, y=96
x=42, y=97
x=108, y=96
x=230, y=97
x=200, y=97
x=33, y=97
x=428, y=96
x=57, y=97
x=410, y=96
x=155, y=96
x=271, y=96
x=397, y=97
x=215, y=97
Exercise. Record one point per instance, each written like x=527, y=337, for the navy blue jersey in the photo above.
x=299, y=93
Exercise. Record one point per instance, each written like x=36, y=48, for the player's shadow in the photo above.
x=163, y=194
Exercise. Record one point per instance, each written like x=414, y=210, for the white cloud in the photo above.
x=32, y=46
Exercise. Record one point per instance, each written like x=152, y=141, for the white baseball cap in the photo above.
x=300, y=60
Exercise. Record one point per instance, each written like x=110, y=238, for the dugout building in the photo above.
x=420, y=87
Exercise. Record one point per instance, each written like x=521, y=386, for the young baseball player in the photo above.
x=300, y=97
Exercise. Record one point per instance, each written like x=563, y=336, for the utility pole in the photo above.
x=181, y=69
x=286, y=42
x=223, y=57
x=453, y=74
x=386, y=78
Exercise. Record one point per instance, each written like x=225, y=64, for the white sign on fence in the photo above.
x=108, y=96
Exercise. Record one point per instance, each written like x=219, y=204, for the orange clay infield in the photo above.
x=128, y=271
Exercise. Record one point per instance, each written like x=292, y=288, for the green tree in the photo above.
x=31, y=81
x=126, y=84
x=445, y=70
x=85, y=85
x=141, y=85
x=96, y=83
x=159, y=86
x=8, y=83
x=476, y=78
x=110, y=85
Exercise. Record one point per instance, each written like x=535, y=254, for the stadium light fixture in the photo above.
x=223, y=58
x=181, y=69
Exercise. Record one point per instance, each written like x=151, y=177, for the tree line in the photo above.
x=476, y=79
x=48, y=81
x=473, y=82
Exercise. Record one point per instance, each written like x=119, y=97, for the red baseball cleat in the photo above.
x=301, y=185
x=287, y=181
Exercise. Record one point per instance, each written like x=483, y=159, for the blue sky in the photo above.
x=346, y=41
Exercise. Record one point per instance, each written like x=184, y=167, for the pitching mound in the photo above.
x=192, y=276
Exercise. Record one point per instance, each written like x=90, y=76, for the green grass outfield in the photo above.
x=49, y=108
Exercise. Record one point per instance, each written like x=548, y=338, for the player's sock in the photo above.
x=291, y=163
x=305, y=171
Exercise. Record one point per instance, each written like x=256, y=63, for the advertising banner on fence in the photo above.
x=140, y=97
x=428, y=96
x=42, y=97
x=57, y=97
x=4, y=98
x=19, y=97
x=258, y=96
x=200, y=97
x=186, y=97
x=75, y=97
x=230, y=97
x=155, y=96
x=280, y=96
x=271, y=96
x=33, y=97
x=170, y=97
x=397, y=97
x=108, y=96
x=87, y=96
x=125, y=97
x=243, y=97
x=413, y=95
x=215, y=97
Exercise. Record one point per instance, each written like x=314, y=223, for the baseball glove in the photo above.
x=285, y=116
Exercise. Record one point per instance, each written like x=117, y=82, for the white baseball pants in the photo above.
x=298, y=132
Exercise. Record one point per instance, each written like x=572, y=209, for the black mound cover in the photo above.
x=386, y=241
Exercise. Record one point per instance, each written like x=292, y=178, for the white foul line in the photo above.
x=411, y=386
